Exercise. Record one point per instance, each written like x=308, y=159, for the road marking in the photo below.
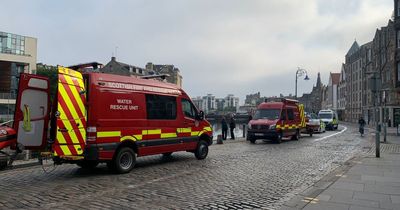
x=325, y=137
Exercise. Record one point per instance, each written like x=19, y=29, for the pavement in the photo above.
x=364, y=182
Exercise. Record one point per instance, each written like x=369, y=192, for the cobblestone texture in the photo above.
x=236, y=175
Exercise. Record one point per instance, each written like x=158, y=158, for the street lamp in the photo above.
x=299, y=73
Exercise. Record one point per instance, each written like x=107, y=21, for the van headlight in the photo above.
x=4, y=132
x=249, y=125
x=272, y=127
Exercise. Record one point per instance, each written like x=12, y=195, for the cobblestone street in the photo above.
x=236, y=174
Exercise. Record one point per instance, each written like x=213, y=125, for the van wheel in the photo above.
x=201, y=151
x=252, y=140
x=87, y=164
x=278, y=138
x=296, y=136
x=124, y=161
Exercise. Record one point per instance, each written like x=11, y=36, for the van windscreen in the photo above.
x=325, y=115
x=270, y=114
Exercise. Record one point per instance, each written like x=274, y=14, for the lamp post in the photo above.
x=299, y=73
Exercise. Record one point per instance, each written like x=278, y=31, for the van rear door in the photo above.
x=32, y=111
x=71, y=113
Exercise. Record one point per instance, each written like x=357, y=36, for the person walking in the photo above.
x=224, y=126
x=232, y=126
x=361, y=123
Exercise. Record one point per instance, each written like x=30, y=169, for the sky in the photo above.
x=220, y=46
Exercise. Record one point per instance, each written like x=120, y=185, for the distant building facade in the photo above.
x=17, y=54
x=119, y=68
x=175, y=76
x=332, y=92
x=210, y=103
x=313, y=101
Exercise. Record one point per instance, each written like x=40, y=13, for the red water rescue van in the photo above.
x=108, y=118
x=276, y=120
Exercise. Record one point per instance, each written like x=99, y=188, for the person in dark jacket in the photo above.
x=232, y=126
x=224, y=126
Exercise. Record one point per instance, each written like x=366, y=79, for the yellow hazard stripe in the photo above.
x=67, y=71
x=138, y=137
x=70, y=132
x=101, y=134
x=151, y=132
x=208, y=128
x=76, y=94
x=128, y=138
x=184, y=130
x=168, y=135
x=65, y=150
x=72, y=109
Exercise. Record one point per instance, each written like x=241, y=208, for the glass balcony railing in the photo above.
x=8, y=95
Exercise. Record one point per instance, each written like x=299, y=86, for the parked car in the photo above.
x=314, y=123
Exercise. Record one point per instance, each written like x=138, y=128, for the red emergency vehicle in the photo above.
x=276, y=120
x=108, y=118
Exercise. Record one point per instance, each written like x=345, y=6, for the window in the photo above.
x=283, y=115
x=188, y=109
x=398, y=71
x=398, y=39
x=161, y=107
x=290, y=114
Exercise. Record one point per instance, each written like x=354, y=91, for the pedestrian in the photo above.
x=361, y=123
x=224, y=126
x=232, y=126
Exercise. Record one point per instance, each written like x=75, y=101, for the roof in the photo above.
x=335, y=78
x=354, y=48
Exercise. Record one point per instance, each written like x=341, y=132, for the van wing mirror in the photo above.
x=200, y=115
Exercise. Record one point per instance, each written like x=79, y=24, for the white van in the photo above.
x=330, y=118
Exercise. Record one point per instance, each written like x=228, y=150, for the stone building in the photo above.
x=313, y=101
x=357, y=63
x=174, y=77
x=119, y=68
x=341, y=110
x=332, y=92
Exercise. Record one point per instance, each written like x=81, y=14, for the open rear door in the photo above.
x=32, y=111
x=71, y=113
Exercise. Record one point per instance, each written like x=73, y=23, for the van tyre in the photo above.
x=278, y=138
x=252, y=140
x=201, y=151
x=296, y=136
x=124, y=161
x=87, y=164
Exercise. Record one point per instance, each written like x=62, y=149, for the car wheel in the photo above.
x=201, y=151
x=87, y=164
x=125, y=160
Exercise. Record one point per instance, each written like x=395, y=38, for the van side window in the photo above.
x=283, y=115
x=290, y=114
x=188, y=109
x=160, y=107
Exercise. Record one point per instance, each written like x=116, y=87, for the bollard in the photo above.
x=244, y=130
x=384, y=132
x=219, y=139
x=398, y=131
x=377, y=141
